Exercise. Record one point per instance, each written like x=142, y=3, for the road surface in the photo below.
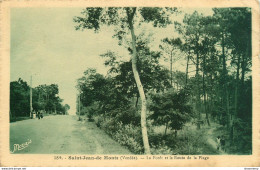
x=61, y=135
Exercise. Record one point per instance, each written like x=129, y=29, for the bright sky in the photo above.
x=44, y=44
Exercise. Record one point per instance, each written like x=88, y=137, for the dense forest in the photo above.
x=146, y=104
x=44, y=98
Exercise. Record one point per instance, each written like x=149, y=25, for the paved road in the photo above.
x=62, y=135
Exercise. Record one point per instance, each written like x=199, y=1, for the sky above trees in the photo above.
x=44, y=44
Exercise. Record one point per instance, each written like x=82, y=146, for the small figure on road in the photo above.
x=218, y=142
x=38, y=115
x=41, y=114
x=222, y=142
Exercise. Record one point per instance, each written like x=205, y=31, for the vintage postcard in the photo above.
x=129, y=83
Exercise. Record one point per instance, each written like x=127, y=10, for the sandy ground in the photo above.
x=212, y=142
x=62, y=135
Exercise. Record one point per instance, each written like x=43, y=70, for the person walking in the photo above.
x=38, y=115
x=222, y=143
x=41, y=114
x=218, y=143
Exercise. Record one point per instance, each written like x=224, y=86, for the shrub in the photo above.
x=188, y=143
x=98, y=121
x=130, y=136
x=126, y=134
x=158, y=145
x=171, y=109
x=127, y=115
x=242, y=138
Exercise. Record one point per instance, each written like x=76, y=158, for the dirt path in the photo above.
x=212, y=142
x=62, y=135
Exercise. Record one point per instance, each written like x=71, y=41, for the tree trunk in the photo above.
x=136, y=103
x=165, y=132
x=243, y=68
x=228, y=112
x=204, y=91
x=10, y=114
x=224, y=77
x=237, y=85
x=138, y=83
x=236, y=101
x=212, y=97
x=171, y=67
x=187, y=69
x=197, y=88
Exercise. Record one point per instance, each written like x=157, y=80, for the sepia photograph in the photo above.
x=129, y=84
x=131, y=80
